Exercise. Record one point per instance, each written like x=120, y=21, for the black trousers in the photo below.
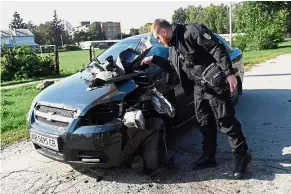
x=212, y=111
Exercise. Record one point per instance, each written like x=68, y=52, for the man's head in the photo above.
x=162, y=30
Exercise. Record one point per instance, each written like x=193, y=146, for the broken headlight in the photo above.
x=101, y=114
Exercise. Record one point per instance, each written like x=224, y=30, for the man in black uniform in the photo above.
x=193, y=48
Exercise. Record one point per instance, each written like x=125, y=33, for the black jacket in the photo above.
x=197, y=44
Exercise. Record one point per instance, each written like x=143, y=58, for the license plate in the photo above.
x=44, y=141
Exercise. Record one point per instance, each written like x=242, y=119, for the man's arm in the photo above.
x=206, y=39
x=159, y=61
x=200, y=35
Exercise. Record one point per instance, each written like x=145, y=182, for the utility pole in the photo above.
x=62, y=40
x=230, y=24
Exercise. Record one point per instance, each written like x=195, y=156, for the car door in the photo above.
x=184, y=104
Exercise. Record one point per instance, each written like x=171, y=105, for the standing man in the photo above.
x=193, y=48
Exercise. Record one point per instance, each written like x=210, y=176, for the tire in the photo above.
x=152, y=152
x=238, y=90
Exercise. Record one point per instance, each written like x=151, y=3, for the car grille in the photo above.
x=53, y=116
x=58, y=111
x=52, y=123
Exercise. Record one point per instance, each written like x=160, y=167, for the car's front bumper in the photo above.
x=98, y=146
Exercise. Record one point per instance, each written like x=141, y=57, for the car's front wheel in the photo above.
x=153, y=152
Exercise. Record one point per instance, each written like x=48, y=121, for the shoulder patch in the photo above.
x=207, y=36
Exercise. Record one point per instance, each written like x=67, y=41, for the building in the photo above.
x=111, y=29
x=17, y=37
x=85, y=25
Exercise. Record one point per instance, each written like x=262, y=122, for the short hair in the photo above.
x=159, y=24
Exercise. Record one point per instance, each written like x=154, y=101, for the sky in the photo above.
x=130, y=14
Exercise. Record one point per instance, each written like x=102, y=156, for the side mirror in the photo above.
x=109, y=64
x=109, y=59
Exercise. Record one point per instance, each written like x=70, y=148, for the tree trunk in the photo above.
x=57, y=60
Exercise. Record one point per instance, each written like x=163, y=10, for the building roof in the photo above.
x=16, y=32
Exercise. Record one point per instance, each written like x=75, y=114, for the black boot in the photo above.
x=205, y=162
x=241, y=164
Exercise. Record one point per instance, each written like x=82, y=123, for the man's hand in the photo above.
x=147, y=60
x=231, y=79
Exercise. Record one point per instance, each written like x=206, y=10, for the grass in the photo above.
x=15, y=103
x=73, y=61
x=253, y=57
x=70, y=63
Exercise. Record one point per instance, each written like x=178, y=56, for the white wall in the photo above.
x=18, y=40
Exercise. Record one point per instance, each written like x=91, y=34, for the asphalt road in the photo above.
x=264, y=111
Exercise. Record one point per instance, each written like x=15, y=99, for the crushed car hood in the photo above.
x=72, y=92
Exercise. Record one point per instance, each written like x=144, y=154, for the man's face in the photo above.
x=164, y=37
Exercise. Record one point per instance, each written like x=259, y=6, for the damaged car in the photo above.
x=105, y=115
x=111, y=111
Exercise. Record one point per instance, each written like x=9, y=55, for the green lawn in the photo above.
x=15, y=103
x=253, y=57
x=73, y=61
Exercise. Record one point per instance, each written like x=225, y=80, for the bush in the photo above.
x=71, y=48
x=240, y=42
x=23, y=62
x=260, y=42
x=48, y=49
x=264, y=25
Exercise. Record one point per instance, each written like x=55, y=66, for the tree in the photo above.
x=289, y=17
x=81, y=36
x=146, y=28
x=215, y=17
x=179, y=16
x=67, y=38
x=43, y=34
x=29, y=25
x=265, y=24
x=134, y=31
x=221, y=19
x=16, y=22
x=194, y=15
x=57, y=29
x=123, y=35
x=95, y=31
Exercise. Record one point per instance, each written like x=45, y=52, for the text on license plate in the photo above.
x=44, y=141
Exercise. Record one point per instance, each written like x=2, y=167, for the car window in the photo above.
x=115, y=49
